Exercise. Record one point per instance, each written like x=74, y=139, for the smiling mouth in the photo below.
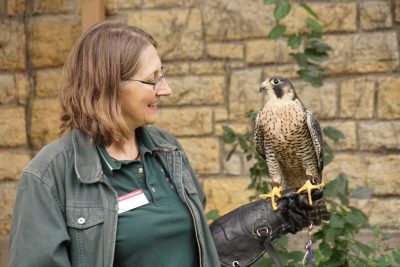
x=153, y=105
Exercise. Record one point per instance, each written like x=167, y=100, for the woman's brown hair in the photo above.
x=104, y=56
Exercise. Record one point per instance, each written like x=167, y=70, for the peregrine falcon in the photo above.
x=289, y=138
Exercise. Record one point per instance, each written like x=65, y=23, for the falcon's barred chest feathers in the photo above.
x=289, y=138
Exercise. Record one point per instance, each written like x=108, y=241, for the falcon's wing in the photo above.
x=316, y=136
x=259, y=136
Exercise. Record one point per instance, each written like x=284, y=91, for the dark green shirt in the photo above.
x=160, y=233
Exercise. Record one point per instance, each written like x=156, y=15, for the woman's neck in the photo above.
x=128, y=150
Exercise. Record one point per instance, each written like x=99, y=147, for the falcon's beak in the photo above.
x=263, y=85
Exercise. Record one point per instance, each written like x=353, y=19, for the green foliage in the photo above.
x=212, y=215
x=334, y=241
x=315, y=51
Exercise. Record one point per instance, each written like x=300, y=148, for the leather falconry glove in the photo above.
x=243, y=235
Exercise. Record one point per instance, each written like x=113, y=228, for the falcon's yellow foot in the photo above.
x=276, y=192
x=308, y=186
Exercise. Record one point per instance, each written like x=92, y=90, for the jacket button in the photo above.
x=81, y=220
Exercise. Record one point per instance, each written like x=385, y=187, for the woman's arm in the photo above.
x=39, y=235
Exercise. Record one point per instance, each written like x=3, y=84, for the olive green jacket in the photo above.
x=66, y=211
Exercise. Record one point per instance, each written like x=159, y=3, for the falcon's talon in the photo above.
x=308, y=186
x=276, y=192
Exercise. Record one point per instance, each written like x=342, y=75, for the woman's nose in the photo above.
x=164, y=89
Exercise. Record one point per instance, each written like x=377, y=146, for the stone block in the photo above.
x=196, y=90
x=267, y=51
x=45, y=121
x=12, y=45
x=375, y=15
x=233, y=166
x=225, y=50
x=12, y=127
x=126, y=4
x=337, y=17
x=354, y=166
x=52, y=6
x=357, y=98
x=8, y=192
x=243, y=93
x=7, y=89
x=167, y=3
x=203, y=154
x=322, y=101
x=220, y=114
x=4, y=250
x=51, y=39
x=208, y=67
x=287, y=70
x=226, y=194
x=377, y=172
x=48, y=82
x=12, y=163
x=235, y=20
x=186, y=121
x=362, y=53
x=397, y=10
x=22, y=87
x=348, y=128
x=236, y=64
x=177, y=31
x=177, y=68
x=379, y=135
x=382, y=212
x=16, y=7
x=111, y=7
x=388, y=98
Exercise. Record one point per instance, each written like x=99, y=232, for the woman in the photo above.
x=113, y=190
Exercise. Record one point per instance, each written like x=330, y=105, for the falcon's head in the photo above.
x=278, y=88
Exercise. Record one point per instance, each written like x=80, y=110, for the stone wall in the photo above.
x=216, y=53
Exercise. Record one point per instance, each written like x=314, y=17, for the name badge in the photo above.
x=131, y=201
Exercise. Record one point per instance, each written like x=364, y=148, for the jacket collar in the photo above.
x=88, y=167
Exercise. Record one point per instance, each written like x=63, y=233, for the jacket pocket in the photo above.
x=188, y=183
x=85, y=227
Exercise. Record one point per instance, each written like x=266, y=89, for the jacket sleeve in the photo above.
x=39, y=236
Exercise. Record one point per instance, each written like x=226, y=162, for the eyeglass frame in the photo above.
x=154, y=82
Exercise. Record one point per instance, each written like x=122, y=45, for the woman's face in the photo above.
x=139, y=101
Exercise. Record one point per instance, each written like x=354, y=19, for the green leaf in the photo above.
x=300, y=58
x=313, y=24
x=337, y=186
x=315, y=55
x=356, y=217
x=328, y=157
x=309, y=10
x=294, y=41
x=269, y=2
x=319, y=46
x=229, y=135
x=325, y=249
x=331, y=234
x=277, y=31
x=333, y=133
x=212, y=214
x=383, y=261
x=336, y=221
x=361, y=193
x=282, y=9
x=396, y=255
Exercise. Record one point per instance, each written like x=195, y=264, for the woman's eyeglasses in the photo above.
x=156, y=83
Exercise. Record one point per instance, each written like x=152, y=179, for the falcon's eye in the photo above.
x=275, y=81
